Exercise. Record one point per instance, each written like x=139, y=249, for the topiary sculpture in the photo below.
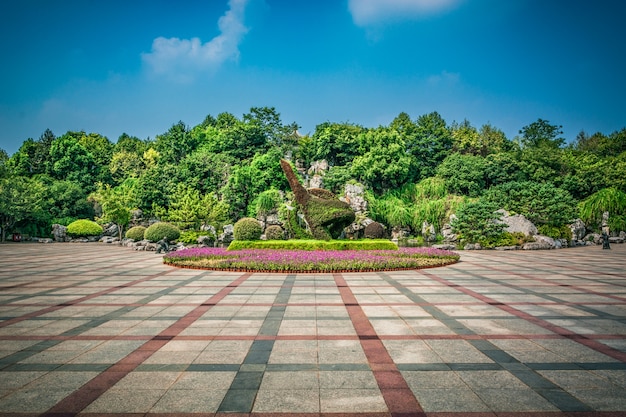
x=247, y=229
x=325, y=215
x=161, y=230
x=84, y=228
x=136, y=233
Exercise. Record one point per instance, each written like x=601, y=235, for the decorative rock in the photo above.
x=60, y=233
x=506, y=248
x=518, y=223
x=228, y=236
x=447, y=232
x=316, y=181
x=354, y=195
x=473, y=246
x=596, y=238
x=206, y=240
x=616, y=239
x=578, y=229
x=45, y=240
x=318, y=168
x=110, y=230
x=428, y=232
x=400, y=233
x=109, y=239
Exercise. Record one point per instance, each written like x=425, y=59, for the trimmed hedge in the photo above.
x=83, y=228
x=367, y=244
x=159, y=230
x=247, y=229
x=136, y=233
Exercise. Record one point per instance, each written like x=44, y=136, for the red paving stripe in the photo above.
x=582, y=339
x=398, y=396
x=92, y=390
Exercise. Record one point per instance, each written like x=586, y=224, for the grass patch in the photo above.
x=312, y=245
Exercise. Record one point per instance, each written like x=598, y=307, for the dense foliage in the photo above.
x=312, y=244
x=226, y=168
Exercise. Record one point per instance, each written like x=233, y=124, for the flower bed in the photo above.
x=253, y=260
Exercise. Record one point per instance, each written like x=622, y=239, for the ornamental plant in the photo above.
x=136, y=233
x=84, y=228
x=274, y=232
x=247, y=229
x=161, y=230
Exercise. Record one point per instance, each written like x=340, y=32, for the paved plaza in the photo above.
x=94, y=329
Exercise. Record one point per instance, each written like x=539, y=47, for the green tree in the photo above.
x=189, y=209
x=21, y=198
x=463, y=174
x=384, y=164
x=205, y=170
x=542, y=204
x=4, y=160
x=430, y=145
x=69, y=160
x=478, y=222
x=116, y=203
x=174, y=144
x=337, y=143
x=155, y=186
x=542, y=134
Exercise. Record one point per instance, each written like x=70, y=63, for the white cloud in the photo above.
x=368, y=12
x=181, y=59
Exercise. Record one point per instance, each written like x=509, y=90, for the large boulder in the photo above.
x=518, y=223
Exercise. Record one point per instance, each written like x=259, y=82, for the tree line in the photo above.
x=218, y=171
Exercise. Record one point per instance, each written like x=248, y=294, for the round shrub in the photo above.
x=247, y=229
x=274, y=232
x=159, y=230
x=374, y=230
x=136, y=233
x=84, y=228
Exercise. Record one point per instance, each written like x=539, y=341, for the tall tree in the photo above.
x=175, y=144
x=431, y=143
x=542, y=134
x=21, y=197
x=116, y=203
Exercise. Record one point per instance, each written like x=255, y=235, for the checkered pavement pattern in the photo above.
x=99, y=330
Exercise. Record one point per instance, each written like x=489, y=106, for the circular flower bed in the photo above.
x=263, y=260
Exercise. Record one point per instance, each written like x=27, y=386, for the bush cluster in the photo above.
x=274, y=232
x=247, y=229
x=159, y=230
x=135, y=233
x=83, y=228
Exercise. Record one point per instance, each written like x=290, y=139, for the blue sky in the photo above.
x=139, y=66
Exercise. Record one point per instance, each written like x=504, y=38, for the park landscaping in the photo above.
x=285, y=260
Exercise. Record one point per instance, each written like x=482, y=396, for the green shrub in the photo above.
x=478, y=222
x=555, y=232
x=247, y=229
x=135, y=233
x=374, y=230
x=83, y=228
x=505, y=239
x=301, y=244
x=159, y=230
x=190, y=237
x=274, y=232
